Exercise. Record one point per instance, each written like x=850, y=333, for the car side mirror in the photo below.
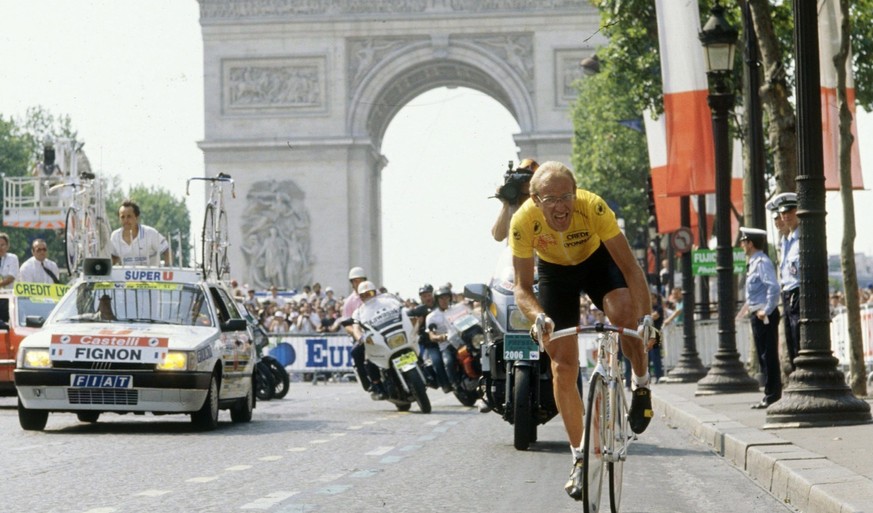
x=234, y=325
x=34, y=321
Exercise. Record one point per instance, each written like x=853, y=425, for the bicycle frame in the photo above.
x=214, y=238
x=86, y=229
x=607, y=432
x=609, y=369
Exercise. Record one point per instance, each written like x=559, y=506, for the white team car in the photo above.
x=136, y=339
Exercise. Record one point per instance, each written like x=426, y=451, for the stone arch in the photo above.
x=395, y=83
x=298, y=96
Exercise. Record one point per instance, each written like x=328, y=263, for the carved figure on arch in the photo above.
x=276, y=235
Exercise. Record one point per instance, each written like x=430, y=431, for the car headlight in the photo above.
x=35, y=359
x=177, y=361
x=518, y=321
x=396, y=340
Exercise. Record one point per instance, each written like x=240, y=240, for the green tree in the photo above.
x=158, y=209
x=609, y=151
x=21, y=143
x=609, y=147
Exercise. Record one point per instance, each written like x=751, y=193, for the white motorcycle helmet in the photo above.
x=356, y=273
x=367, y=290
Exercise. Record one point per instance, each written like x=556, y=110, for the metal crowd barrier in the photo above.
x=706, y=335
x=707, y=338
x=840, y=334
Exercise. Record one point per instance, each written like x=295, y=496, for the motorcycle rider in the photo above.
x=438, y=326
x=435, y=373
x=371, y=300
x=356, y=277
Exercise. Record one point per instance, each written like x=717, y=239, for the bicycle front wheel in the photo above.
x=71, y=240
x=207, y=241
x=620, y=431
x=595, y=443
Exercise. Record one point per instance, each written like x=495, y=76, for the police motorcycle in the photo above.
x=467, y=335
x=390, y=343
x=516, y=375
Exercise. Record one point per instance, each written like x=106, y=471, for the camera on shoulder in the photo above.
x=514, y=180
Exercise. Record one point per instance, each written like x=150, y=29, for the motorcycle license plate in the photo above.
x=406, y=361
x=519, y=346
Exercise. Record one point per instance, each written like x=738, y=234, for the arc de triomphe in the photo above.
x=299, y=93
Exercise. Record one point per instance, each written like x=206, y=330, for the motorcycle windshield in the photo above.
x=503, y=277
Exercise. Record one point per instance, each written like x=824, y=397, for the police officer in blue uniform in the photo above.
x=762, y=298
x=789, y=272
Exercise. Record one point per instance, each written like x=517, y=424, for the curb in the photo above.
x=799, y=477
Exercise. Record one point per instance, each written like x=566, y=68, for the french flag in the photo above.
x=829, y=20
x=667, y=208
x=681, y=148
x=690, y=151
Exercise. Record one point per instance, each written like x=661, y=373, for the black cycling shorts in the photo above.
x=560, y=286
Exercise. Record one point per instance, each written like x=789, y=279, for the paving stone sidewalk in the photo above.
x=817, y=470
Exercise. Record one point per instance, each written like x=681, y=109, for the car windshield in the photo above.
x=34, y=306
x=144, y=302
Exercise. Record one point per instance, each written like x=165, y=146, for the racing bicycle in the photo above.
x=213, y=238
x=607, y=432
x=86, y=228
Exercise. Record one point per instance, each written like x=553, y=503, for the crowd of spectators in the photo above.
x=311, y=310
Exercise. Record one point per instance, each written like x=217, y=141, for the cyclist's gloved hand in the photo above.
x=648, y=332
x=542, y=326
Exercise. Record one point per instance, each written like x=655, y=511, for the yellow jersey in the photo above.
x=592, y=221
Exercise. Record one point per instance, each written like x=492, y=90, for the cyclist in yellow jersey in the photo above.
x=581, y=250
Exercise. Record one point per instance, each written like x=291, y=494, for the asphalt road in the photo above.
x=330, y=448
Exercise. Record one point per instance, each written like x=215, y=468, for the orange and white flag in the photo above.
x=667, y=208
x=829, y=20
x=690, y=151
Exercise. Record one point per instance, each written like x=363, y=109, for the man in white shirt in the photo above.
x=135, y=243
x=38, y=268
x=8, y=274
x=8, y=263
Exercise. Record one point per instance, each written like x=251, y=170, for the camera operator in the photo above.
x=514, y=191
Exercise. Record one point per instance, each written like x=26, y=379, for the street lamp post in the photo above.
x=727, y=374
x=816, y=393
x=689, y=368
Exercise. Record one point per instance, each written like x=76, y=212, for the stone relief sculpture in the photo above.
x=364, y=53
x=276, y=235
x=252, y=86
x=515, y=49
x=264, y=8
x=570, y=72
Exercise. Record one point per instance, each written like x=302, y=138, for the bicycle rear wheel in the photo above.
x=71, y=241
x=207, y=241
x=620, y=430
x=595, y=442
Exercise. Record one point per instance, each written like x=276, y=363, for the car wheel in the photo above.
x=242, y=410
x=206, y=418
x=31, y=420
x=88, y=416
